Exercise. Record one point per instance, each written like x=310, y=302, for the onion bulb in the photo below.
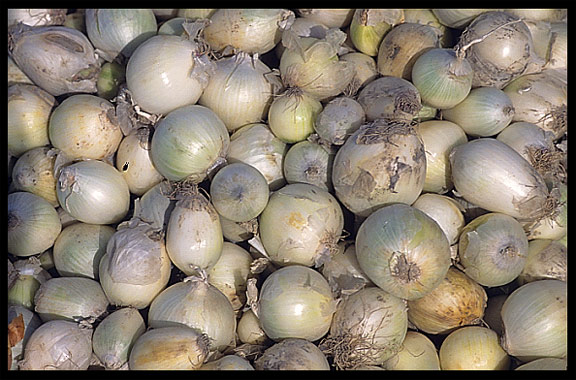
x=339, y=118
x=343, y=271
x=417, y=353
x=544, y=364
x=309, y=162
x=365, y=71
x=33, y=172
x=403, y=251
x=535, y=321
x=227, y=363
x=445, y=211
x=547, y=260
x=331, y=18
x=155, y=205
x=390, y=97
x=457, y=18
x=292, y=354
x=249, y=330
x=21, y=324
x=381, y=163
x=369, y=26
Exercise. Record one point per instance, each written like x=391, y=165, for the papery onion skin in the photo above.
x=30, y=321
x=292, y=354
x=37, y=17
x=403, y=251
x=34, y=172
x=547, y=260
x=332, y=18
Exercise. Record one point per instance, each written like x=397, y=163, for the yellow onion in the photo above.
x=381, y=163
x=136, y=267
x=343, y=271
x=198, y=305
x=493, y=249
x=33, y=172
x=29, y=109
x=309, y=162
x=301, y=224
x=403, y=251
x=115, y=336
x=445, y=211
x=369, y=26
x=331, y=18
x=21, y=324
x=339, y=118
x=473, y=348
x=295, y=302
x=535, y=321
x=169, y=348
x=417, y=353
x=292, y=354
x=390, y=97
x=547, y=364
x=547, y=259
x=402, y=46
x=456, y=301
x=58, y=345
x=368, y=328
x=227, y=363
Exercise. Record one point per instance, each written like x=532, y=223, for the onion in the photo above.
x=547, y=260
x=301, y=224
x=403, y=251
x=238, y=231
x=58, y=345
x=248, y=30
x=228, y=363
x=33, y=224
x=292, y=354
x=365, y=70
x=493, y=176
x=368, y=328
x=544, y=364
x=29, y=109
x=369, y=26
x=34, y=172
x=473, y=348
x=169, y=348
x=558, y=56
x=119, y=31
x=167, y=72
x=555, y=226
x=343, y=271
x=193, y=234
x=239, y=192
x=292, y=115
x=402, y=46
x=535, y=321
x=28, y=275
x=195, y=13
x=58, y=59
x=331, y=18
x=390, y=97
x=486, y=111
x=15, y=75
x=445, y=211
x=427, y=17
x=173, y=26
x=85, y=127
x=155, y=205
x=111, y=76
x=457, y=18
x=70, y=298
x=381, y=163
x=21, y=324
x=189, y=143
x=295, y=302
x=249, y=330
x=240, y=91
x=115, y=336
x=196, y=304
x=256, y=145
x=417, y=353
x=93, y=192
x=339, y=118
x=309, y=162
x=36, y=17
x=502, y=49
x=79, y=248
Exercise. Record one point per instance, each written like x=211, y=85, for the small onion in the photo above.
x=20, y=318
x=256, y=145
x=417, y=353
x=292, y=115
x=239, y=192
x=194, y=234
x=403, y=251
x=343, y=271
x=227, y=363
x=309, y=162
x=381, y=163
x=535, y=321
x=169, y=348
x=390, y=97
x=473, y=348
x=28, y=276
x=134, y=162
x=29, y=109
x=93, y=192
x=547, y=260
x=331, y=18
x=189, y=143
x=247, y=30
x=339, y=118
x=240, y=91
x=486, y=111
x=402, y=46
x=34, y=172
x=110, y=78
x=173, y=26
x=58, y=345
x=196, y=304
x=445, y=211
x=295, y=302
x=249, y=330
x=369, y=26
x=548, y=364
x=292, y=354
x=70, y=298
x=119, y=31
x=115, y=336
x=33, y=224
x=368, y=328
x=58, y=59
x=238, y=231
x=79, y=248
x=85, y=127
x=167, y=72
x=456, y=301
x=301, y=224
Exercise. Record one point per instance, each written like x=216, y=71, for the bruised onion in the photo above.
x=339, y=118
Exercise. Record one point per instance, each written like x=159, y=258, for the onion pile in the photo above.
x=287, y=189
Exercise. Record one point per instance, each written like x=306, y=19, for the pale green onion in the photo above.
x=417, y=353
x=33, y=172
x=309, y=162
x=445, y=211
x=369, y=26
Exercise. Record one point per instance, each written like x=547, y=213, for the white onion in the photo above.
x=33, y=172
x=20, y=317
x=547, y=259
x=417, y=353
x=555, y=226
x=390, y=97
x=331, y=18
x=194, y=13
x=339, y=118
x=189, y=143
x=292, y=354
x=365, y=70
x=343, y=271
x=33, y=224
x=309, y=162
x=227, y=363
x=544, y=364
x=457, y=18
x=85, y=127
x=27, y=277
x=249, y=330
x=93, y=192
x=445, y=211
x=15, y=75
x=156, y=204
x=427, y=17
